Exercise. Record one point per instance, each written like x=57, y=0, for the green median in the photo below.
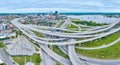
x=57, y=50
x=60, y=23
x=72, y=27
x=38, y=34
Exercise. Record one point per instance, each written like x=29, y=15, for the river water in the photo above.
x=95, y=18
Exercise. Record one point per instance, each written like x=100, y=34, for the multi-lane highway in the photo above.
x=5, y=58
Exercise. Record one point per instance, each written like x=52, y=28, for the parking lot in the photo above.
x=20, y=46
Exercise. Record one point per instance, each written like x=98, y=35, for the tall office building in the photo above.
x=56, y=15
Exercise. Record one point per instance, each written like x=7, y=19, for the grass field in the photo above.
x=89, y=23
x=102, y=41
x=20, y=59
x=112, y=52
x=1, y=44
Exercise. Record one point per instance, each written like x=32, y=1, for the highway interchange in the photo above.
x=57, y=36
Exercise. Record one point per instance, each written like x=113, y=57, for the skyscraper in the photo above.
x=56, y=15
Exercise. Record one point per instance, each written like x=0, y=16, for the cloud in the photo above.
x=60, y=5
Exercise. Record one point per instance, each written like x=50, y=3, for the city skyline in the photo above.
x=33, y=6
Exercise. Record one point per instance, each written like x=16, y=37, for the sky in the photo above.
x=31, y=6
